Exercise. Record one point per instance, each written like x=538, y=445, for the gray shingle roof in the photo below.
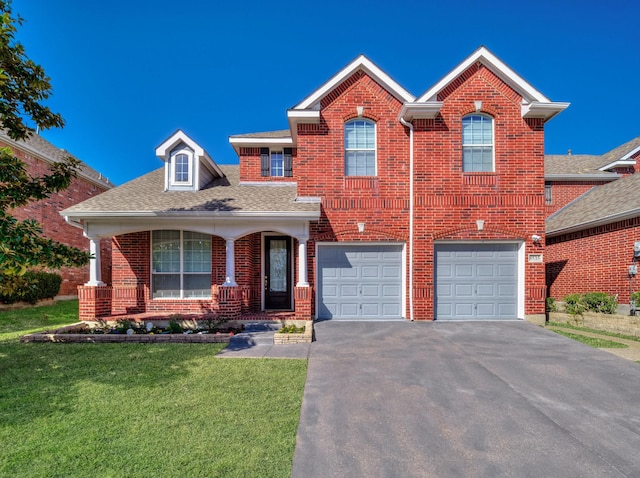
x=587, y=163
x=54, y=154
x=601, y=205
x=146, y=196
x=282, y=133
x=573, y=164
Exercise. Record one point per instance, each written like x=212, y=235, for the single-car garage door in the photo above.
x=359, y=281
x=476, y=281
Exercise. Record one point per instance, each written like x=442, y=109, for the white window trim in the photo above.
x=181, y=272
x=375, y=148
x=471, y=145
x=172, y=168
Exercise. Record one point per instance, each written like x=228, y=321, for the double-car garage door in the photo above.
x=473, y=281
x=476, y=281
x=360, y=281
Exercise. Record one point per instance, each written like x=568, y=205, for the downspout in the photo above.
x=410, y=126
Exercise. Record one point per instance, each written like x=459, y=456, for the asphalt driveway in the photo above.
x=402, y=399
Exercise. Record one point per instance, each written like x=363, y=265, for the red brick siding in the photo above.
x=593, y=260
x=563, y=192
x=448, y=201
x=46, y=212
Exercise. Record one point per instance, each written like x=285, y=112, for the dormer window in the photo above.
x=181, y=168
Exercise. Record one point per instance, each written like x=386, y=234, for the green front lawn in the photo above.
x=593, y=341
x=140, y=410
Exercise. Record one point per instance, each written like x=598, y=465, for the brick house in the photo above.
x=38, y=154
x=372, y=204
x=595, y=221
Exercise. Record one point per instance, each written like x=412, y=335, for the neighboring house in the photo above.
x=373, y=204
x=590, y=236
x=38, y=154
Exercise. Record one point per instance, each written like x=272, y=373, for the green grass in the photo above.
x=594, y=331
x=593, y=341
x=141, y=410
x=17, y=322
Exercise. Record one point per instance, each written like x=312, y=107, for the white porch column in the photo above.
x=95, y=274
x=302, y=264
x=231, y=264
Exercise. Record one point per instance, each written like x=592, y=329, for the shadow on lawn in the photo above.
x=40, y=379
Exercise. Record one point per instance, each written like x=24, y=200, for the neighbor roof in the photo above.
x=605, y=204
x=592, y=164
x=145, y=196
x=48, y=152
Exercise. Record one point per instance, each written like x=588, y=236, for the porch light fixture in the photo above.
x=361, y=227
x=536, y=239
x=360, y=110
x=480, y=224
x=478, y=105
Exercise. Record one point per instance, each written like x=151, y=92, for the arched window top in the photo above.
x=360, y=147
x=477, y=143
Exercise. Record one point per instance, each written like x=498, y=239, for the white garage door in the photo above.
x=359, y=282
x=476, y=281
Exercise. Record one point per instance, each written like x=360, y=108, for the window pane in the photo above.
x=360, y=148
x=477, y=140
x=181, y=168
x=278, y=265
x=197, y=285
x=477, y=159
x=166, y=285
x=197, y=252
x=277, y=163
x=166, y=251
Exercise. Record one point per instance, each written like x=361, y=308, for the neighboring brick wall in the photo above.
x=563, y=192
x=46, y=212
x=593, y=260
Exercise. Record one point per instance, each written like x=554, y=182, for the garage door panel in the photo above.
x=364, y=281
x=476, y=281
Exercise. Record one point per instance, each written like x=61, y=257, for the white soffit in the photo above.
x=363, y=63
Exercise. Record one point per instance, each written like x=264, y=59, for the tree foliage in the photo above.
x=23, y=88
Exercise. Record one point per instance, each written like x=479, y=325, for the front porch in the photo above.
x=234, y=303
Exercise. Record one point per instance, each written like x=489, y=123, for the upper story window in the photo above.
x=181, y=168
x=360, y=148
x=477, y=143
x=276, y=163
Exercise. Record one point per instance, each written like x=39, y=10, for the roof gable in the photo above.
x=534, y=103
x=360, y=63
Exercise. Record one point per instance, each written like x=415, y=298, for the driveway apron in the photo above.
x=403, y=399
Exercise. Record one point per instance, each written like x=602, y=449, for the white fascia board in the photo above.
x=304, y=116
x=582, y=177
x=427, y=110
x=546, y=111
x=629, y=154
x=203, y=215
x=519, y=84
x=361, y=62
x=255, y=142
x=596, y=222
x=622, y=162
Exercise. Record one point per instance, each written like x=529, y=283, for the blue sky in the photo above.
x=127, y=74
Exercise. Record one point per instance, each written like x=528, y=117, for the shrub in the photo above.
x=600, y=302
x=573, y=304
x=34, y=286
x=636, y=298
x=551, y=305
